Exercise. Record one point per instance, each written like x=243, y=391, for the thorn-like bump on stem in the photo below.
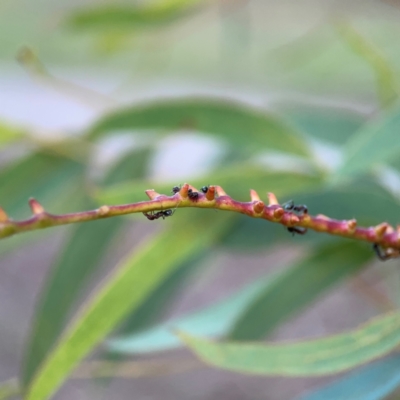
x=294, y=219
x=278, y=213
x=210, y=195
x=3, y=216
x=220, y=191
x=35, y=206
x=258, y=207
x=351, y=225
x=381, y=229
x=184, y=191
x=324, y=217
x=254, y=195
x=103, y=210
x=272, y=200
x=152, y=194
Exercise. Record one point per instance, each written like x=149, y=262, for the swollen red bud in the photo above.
x=258, y=207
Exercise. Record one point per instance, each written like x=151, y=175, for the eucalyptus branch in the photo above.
x=383, y=236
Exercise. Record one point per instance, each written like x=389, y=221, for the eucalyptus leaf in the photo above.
x=121, y=293
x=324, y=356
x=376, y=142
x=235, y=122
x=299, y=286
x=76, y=264
x=214, y=320
x=373, y=382
x=130, y=16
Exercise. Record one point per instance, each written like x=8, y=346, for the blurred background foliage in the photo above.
x=101, y=100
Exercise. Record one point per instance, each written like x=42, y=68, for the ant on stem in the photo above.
x=193, y=195
x=151, y=216
x=300, y=209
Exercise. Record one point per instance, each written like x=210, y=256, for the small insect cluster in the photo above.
x=299, y=210
x=168, y=213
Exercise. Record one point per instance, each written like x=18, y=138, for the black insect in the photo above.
x=290, y=206
x=193, y=195
x=380, y=253
x=300, y=209
x=296, y=230
x=176, y=189
x=159, y=214
x=204, y=189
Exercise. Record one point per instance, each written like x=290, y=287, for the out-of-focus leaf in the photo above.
x=373, y=382
x=54, y=181
x=39, y=175
x=232, y=121
x=297, y=287
x=133, y=165
x=75, y=265
x=236, y=182
x=328, y=124
x=9, y=134
x=133, y=281
x=368, y=203
x=323, y=356
x=375, y=143
x=385, y=76
x=158, y=302
x=212, y=321
x=131, y=17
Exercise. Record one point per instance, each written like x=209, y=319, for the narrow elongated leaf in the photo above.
x=299, y=286
x=75, y=265
x=373, y=382
x=366, y=201
x=150, y=311
x=328, y=124
x=375, y=143
x=232, y=121
x=54, y=181
x=384, y=73
x=39, y=175
x=214, y=321
x=236, y=181
x=133, y=165
x=323, y=356
x=123, y=292
x=131, y=17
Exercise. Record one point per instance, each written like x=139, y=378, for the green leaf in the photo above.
x=366, y=201
x=317, y=357
x=69, y=276
x=132, y=282
x=376, y=142
x=53, y=181
x=130, y=17
x=39, y=175
x=329, y=124
x=214, y=320
x=155, y=306
x=373, y=382
x=133, y=165
x=298, y=287
x=236, y=182
x=235, y=122
x=384, y=73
